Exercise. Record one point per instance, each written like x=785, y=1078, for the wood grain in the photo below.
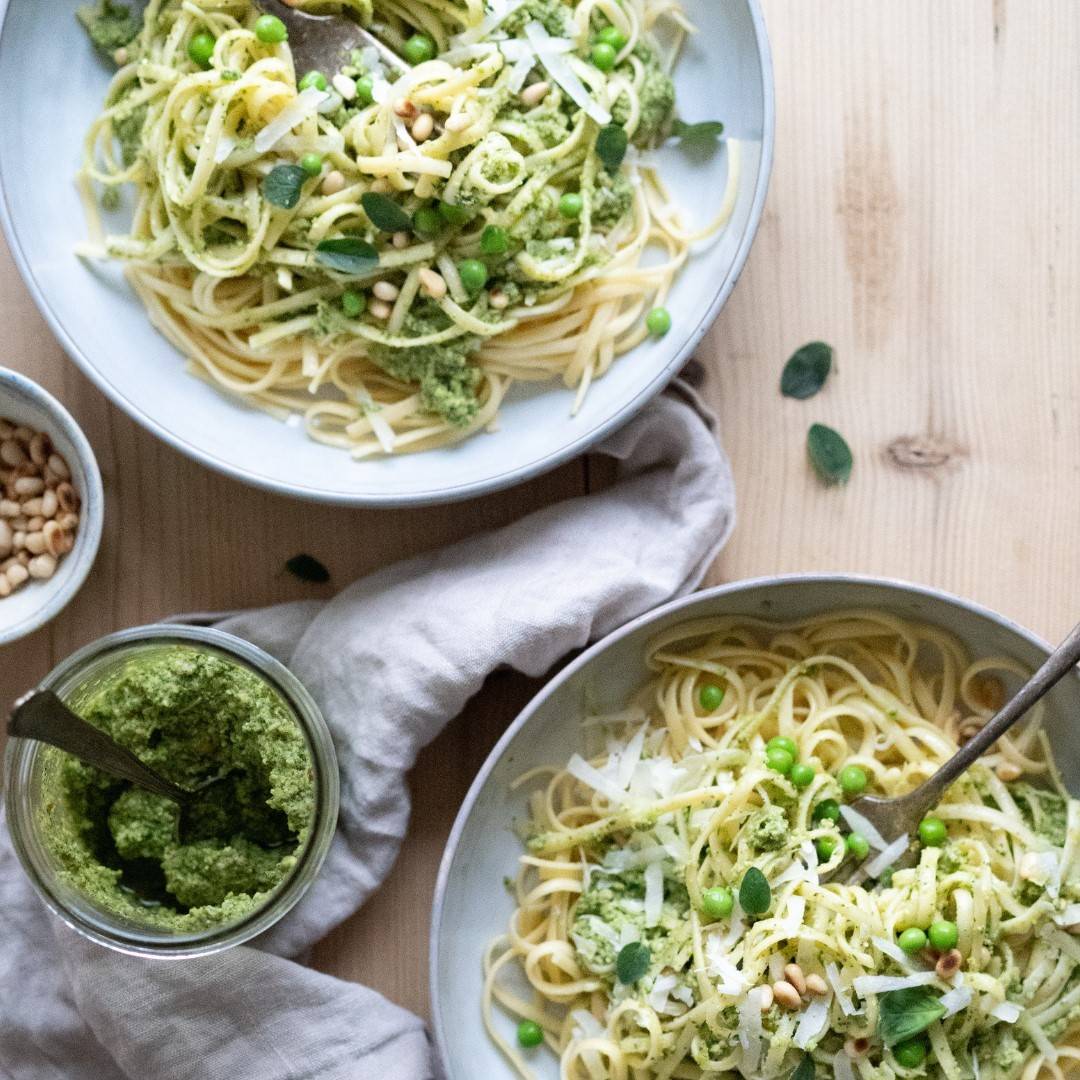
x=922, y=219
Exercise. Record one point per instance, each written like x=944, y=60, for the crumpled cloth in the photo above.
x=390, y=661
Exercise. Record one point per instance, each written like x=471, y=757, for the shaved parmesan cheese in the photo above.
x=658, y=995
x=832, y=973
x=226, y=145
x=777, y=963
x=586, y=1026
x=893, y=952
x=812, y=1023
x=750, y=1030
x=628, y=760
x=1069, y=917
x=621, y=859
x=654, y=893
x=683, y=993
x=305, y=104
x=563, y=74
x=975, y=1067
x=735, y=930
x=792, y=922
x=861, y=825
x=841, y=1065
x=1038, y=1037
x=501, y=10
x=380, y=426
x=956, y=1000
x=1007, y=1011
x=519, y=74
x=732, y=983
x=517, y=50
x=881, y=862
x=581, y=770
x=883, y=984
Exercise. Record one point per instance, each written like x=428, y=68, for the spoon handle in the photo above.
x=1060, y=662
x=43, y=716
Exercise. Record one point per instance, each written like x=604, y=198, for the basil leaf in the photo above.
x=805, y=1069
x=282, y=185
x=632, y=962
x=611, y=145
x=347, y=254
x=755, y=896
x=805, y=373
x=706, y=131
x=308, y=568
x=905, y=1013
x=384, y=213
x=829, y=454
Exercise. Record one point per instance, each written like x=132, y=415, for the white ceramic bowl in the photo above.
x=726, y=74
x=37, y=602
x=472, y=906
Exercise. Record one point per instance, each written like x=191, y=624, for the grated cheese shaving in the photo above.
x=1008, y=1012
x=305, y=104
x=883, y=984
x=812, y=1023
x=654, y=893
x=861, y=825
x=564, y=75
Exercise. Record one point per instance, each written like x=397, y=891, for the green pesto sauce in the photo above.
x=552, y=14
x=192, y=716
x=110, y=25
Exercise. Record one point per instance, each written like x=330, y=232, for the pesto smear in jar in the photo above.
x=194, y=716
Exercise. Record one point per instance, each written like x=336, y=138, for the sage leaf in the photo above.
x=703, y=132
x=282, y=185
x=611, y=146
x=308, y=568
x=755, y=896
x=347, y=254
x=805, y=373
x=905, y=1013
x=384, y=213
x=632, y=962
x=829, y=454
x=805, y=1069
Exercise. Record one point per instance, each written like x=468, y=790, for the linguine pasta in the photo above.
x=524, y=242
x=630, y=930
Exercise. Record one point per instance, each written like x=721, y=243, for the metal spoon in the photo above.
x=323, y=42
x=43, y=716
x=900, y=816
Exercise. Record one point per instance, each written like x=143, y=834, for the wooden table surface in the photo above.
x=922, y=219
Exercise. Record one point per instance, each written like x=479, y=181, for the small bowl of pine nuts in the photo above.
x=51, y=507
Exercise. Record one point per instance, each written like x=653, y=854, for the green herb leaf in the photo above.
x=347, y=254
x=632, y=962
x=612, y=144
x=805, y=373
x=282, y=185
x=905, y=1013
x=706, y=131
x=308, y=568
x=829, y=454
x=385, y=214
x=805, y=1069
x=755, y=896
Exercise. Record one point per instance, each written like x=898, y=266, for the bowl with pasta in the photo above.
x=392, y=282
x=652, y=874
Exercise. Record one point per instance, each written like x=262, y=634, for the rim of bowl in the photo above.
x=76, y=566
x=897, y=585
x=472, y=489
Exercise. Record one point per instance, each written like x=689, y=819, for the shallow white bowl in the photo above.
x=726, y=74
x=37, y=602
x=471, y=905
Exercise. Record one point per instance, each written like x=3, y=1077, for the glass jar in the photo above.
x=26, y=764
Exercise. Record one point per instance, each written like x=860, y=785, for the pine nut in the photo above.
x=380, y=309
x=11, y=453
x=949, y=964
x=401, y=240
x=1007, y=772
x=22, y=434
x=59, y=466
x=766, y=998
x=786, y=995
x=385, y=290
x=49, y=504
x=432, y=283
x=381, y=186
x=333, y=182
x=29, y=485
x=39, y=449
x=67, y=499
x=7, y=429
x=816, y=985
x=405, y=109
x=1073, y=928
x=5, y=586
x=32, y=508
x=345, y=86
x=44, y=566
x=498, y=300
x=7, y=539
x=18, y=524
x=53, y=536
x=17, y=575
x=423, y=127
x=35, y=543
x=457, y=123
x=120, y=57
x=794, y=975
x=18, y=539
x=533, y=95
x=856, y=1048
x=35, y=524
x=9, y=508
x=68, y=542
x=67, y=521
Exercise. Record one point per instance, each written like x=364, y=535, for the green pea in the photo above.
x=201, y=48
x=711, y=697
x=454, y=215
x=912, y=940
x=852, y=779
x=427, y=220
x=779, y=760
x=944, y=935
x=271, y=30
x=802, y=775
x=613, y=36
x=312, y=164
x=910, y=1054
x=718, y=902
x=474, y=274
x=857, y=845
x=604, y=56
x=494, y=241
x=353, y=304
x=784, y=743
x=658, y=321
x=932, y=831
x=365, y=90
x=571, y=205
x=419, y=48
x=313, y=79
x=530, y=1034
x=826, y=846
x=826, y=810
